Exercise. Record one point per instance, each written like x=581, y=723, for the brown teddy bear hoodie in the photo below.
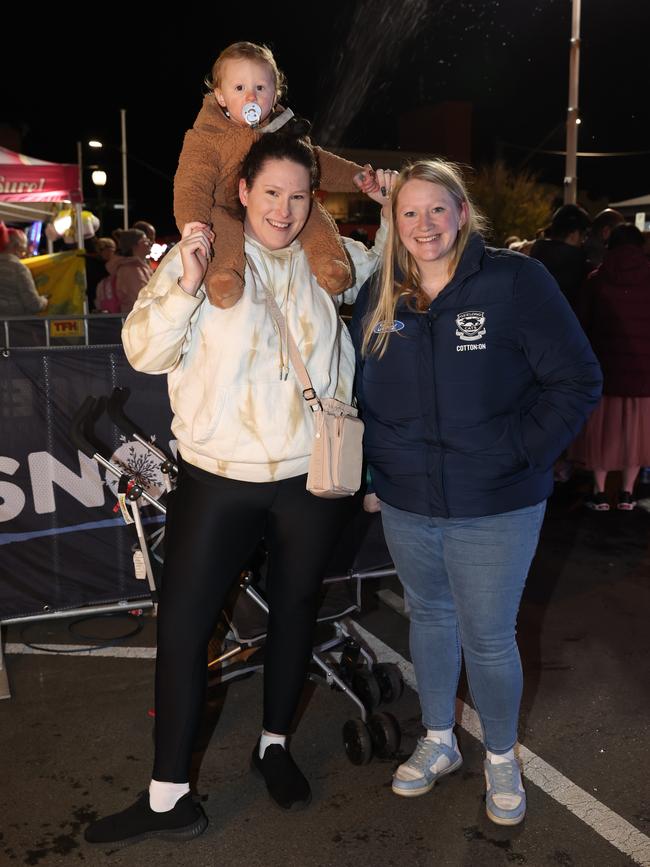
x=206, y=189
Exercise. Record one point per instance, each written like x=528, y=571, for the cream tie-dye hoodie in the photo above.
x=235, y=413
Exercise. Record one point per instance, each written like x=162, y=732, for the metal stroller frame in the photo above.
x=365, y=683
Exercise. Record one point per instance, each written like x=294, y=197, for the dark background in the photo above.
x=352, y=68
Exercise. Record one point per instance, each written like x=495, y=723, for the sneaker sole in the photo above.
x=626, y=507
x=499, y=820
x=180, y=835
x=415, y=793
x=600, y=507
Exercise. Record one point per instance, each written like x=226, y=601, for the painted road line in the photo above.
x=605, y=822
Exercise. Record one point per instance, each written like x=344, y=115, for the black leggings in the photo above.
x=213, y=527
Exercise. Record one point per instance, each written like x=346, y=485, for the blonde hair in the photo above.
x=246, y=51
x=386, y=290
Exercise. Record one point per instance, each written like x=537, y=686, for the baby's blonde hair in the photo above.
x=246, y=51
x=387, y=290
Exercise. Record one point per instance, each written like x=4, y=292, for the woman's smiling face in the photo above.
x=277, y=204
x=428, y=220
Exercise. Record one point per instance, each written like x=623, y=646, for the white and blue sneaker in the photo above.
x=505, y=798
x=430, y=761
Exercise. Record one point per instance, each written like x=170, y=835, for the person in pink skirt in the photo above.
x=615, y=313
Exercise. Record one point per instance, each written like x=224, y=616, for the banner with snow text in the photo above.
x=62, y=546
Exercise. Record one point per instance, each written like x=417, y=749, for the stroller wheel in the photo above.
x=366, y=686
x=389, y=678
x=357, y=742
x=385, y=734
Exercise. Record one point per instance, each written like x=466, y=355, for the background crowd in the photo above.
x=602, y=267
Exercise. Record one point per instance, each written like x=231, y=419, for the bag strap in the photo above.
x=304, y=379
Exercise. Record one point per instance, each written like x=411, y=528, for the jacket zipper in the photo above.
x=441, y=484
x=435, y=397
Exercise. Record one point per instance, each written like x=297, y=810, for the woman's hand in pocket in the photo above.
x=371, y=503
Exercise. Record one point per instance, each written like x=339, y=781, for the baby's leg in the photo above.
x=325, y=251
x=224, y=279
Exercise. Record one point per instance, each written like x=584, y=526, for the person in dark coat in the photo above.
x=472, y=375
x=562, y=252
x=600, y=232
x=615, y=314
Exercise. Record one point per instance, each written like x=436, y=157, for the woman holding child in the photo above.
x=244, y=436
x=244, y=429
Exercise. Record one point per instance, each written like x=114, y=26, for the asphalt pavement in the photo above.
x=76, y=736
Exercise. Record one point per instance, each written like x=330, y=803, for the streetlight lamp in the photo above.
x=94, y=143
x=99, y=178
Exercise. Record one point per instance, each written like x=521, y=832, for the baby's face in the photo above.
x=245, y=81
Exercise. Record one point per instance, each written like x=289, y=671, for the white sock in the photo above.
x=506, y=802
x=164, y=796
x=499, y=758
x=266, y=740
x=440, y=736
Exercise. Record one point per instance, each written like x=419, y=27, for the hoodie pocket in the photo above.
x=206, y=420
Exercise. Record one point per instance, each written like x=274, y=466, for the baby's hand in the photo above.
x=366, y=181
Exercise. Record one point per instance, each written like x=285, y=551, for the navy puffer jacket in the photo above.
x=475, y=399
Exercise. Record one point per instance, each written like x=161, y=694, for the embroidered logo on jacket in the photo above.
x=470, y=325
x=386, y=326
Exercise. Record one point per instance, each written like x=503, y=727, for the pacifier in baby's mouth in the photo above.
x=251, y=113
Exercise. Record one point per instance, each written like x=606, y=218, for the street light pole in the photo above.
x=81, y=169
x=571, y=163
x=125, y=184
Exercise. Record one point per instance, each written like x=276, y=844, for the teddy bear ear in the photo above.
x=298, y=126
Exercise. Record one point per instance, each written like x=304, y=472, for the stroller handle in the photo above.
x=81, y=426
x=115, y=408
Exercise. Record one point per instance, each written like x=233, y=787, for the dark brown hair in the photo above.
x=280, y=146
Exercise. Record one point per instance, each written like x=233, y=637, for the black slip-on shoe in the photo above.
x=285, y=782
x=139, y=822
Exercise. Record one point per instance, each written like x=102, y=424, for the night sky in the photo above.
x=508, y=57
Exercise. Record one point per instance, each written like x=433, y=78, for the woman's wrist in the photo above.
x=182, y=281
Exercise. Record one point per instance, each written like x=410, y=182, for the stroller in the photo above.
x=340, y=661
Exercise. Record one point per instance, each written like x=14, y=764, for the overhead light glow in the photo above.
x=157, y=251
x=63, y=223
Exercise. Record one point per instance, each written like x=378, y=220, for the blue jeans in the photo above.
x=463, y=579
